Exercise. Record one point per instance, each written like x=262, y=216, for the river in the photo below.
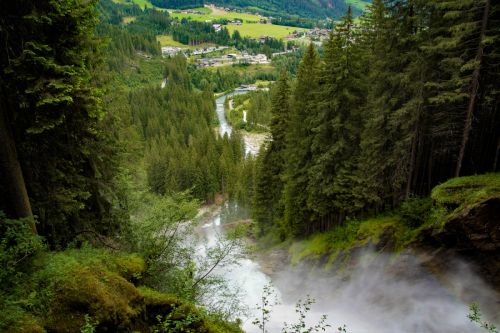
x=252, y=141
x=373, y=298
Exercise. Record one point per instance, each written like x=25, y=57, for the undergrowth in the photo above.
x=91, y=289
x=403, y=226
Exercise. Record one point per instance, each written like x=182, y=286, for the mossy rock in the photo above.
x=106, y=297
x=159, y=304
x=131, y=267
x=156, y=303
x=459, y=193
x=67, y=286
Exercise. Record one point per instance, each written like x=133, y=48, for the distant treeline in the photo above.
x=178, y=4
x=224, y=79
x=300, y=8
x=295, y=22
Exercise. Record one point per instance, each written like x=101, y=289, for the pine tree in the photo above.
x=468, y=30
x=53, y=120
x=373, y=164
x=337, y=128
x=270, y=167
x=298, y=150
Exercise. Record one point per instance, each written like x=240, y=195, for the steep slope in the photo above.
x=461, y=220
x=303, y=8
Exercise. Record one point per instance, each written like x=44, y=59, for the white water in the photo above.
x=245, y=275
x=224, y=127
x=374, y=298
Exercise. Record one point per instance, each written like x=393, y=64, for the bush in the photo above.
x=18, y=243
x=415, y=211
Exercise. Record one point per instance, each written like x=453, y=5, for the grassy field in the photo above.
x=250, y=28
x=167, y=40
x=128, y=19
x=217, y=14
x=140, y=3
x=255, y=30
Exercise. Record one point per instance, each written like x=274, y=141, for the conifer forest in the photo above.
x=250, y=166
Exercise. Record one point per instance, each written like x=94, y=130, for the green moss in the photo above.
x=74, y=283
x=130, y=266
x=459, y=193
x=178, y=310
x=107, y=297
x=154, y=298
x=65, y=287
x=372, y=229
x=352, y=234
x=448, y=199
x=325, y=244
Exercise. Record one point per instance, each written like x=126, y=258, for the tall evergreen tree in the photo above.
x=337, y=128
x=373, y=163
x=271, y=165
x=52, y=112
x=298, y=140
x=463, y=46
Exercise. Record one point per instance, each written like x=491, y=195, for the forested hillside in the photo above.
x=302, y=8
x=182, y=151
x=129, y=174
x=178, y=4
x=397, y=104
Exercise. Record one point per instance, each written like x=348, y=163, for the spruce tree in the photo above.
x=52, y=111
x=373, y=163
x=462, y=46
x=270, y=167
x=298, y=149
x=336, y=128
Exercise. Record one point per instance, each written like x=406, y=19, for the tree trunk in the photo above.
x=412, y=165
x=474, y=89
x=497, y=154
x=10, y=169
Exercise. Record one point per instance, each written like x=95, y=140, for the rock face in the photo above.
x=473, y=234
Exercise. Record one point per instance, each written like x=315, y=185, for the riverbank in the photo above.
x=451, y=240
x=380, y=268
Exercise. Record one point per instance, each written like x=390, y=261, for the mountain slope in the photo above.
x=304, y=8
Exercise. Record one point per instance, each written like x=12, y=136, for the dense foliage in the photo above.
x=398, y=103
x=304, y=8
x=176, y=124
x=178, y=4
x=60, y=160
x=227, y=78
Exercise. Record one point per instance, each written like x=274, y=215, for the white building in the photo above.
x=169, y=51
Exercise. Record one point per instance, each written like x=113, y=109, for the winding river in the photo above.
x=372, y=299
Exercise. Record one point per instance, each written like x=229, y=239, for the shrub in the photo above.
x=415, y=211
x=17, y=245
